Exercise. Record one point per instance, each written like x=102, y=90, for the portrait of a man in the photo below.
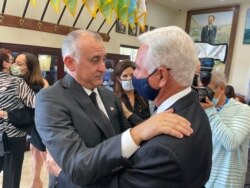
x=208, y=32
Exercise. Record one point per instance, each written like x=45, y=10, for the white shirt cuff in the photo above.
x=128, y=145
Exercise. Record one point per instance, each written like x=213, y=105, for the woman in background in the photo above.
x=124, y=89
x=15, y=93
x=27, y=67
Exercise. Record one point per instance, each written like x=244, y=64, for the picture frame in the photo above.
x=120, y=27
x=246, y=39
x=226, y=20
x=152, y=28
x=134, y=31
x=146, y=29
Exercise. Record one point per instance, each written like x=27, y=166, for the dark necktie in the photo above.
x=104, y=117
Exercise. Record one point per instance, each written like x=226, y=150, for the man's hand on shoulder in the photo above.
x=163, y=123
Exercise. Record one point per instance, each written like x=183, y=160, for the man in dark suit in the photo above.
x=208, y=33
x=79, y=129
x=164, y=73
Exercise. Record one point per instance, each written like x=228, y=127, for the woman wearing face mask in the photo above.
x=27, y=67
x=132, y=102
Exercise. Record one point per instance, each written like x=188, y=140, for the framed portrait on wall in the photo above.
x=246, y=39
x=152, y=28
x=120, y=27
x=215, y=26
x=133, y=31
x=145, y=30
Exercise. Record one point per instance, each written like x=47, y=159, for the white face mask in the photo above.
x=127, y=85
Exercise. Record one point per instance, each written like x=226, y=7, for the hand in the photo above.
x=3, y=114
x=125, y=110
x=207, y=104
x=52, y=166
x=163, y=123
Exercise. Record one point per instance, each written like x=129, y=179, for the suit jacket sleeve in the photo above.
x=55, y=119
x=150, y=165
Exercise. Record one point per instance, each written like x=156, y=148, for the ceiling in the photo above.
x=186, y=5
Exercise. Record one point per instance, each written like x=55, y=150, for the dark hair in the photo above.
x=3, y=57
x=120, y=67
x=34, y=75
x=212, y=16
x=5, y=51
x=229, y=92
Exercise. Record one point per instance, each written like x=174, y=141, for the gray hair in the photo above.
x=218, y=78
x=172, y=48
x=71, y=44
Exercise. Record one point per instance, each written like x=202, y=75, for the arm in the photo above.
x=26, y=94
x=214, y=33
x=203, y=34
x=132, y=118
x=155, y=165
x=87, y=165
x=56, y=126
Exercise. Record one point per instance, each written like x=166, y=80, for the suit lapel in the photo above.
x=106, y=99
x=78, y=93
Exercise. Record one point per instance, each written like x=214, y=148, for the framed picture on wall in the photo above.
x=120, y=27
x=214, y=26
x=133, y=31
x=145, y=30
x=246, y=39
x=152, y=28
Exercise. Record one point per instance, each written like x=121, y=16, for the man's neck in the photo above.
x=165, y=93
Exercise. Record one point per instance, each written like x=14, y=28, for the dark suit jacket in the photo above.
x=73, y=132
x=168, y=162
x=208, y=36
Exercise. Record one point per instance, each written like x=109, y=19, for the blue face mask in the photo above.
x=144, y=89
x=215, y=101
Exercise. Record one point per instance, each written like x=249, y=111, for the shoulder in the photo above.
x=46, y=84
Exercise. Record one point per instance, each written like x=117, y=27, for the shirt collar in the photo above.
x=171, y=100
x=89, y=91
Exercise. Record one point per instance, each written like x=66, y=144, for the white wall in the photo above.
x=157, y=16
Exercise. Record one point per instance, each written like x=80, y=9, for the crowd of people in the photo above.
x=89, y=136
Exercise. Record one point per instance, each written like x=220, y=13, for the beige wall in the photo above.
x=240, y=68
x=157, y=16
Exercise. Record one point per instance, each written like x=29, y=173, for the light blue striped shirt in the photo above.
x=230, y=132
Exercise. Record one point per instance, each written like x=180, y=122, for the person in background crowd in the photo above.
x=27, y=67
x=229, y=92
x=125, y=91
x=229, y=121
x=80, y=122
x=208, y=33
x=14, y=94
x=6, y=69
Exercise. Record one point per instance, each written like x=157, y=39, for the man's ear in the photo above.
x=163, y=74
x=70, y=64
